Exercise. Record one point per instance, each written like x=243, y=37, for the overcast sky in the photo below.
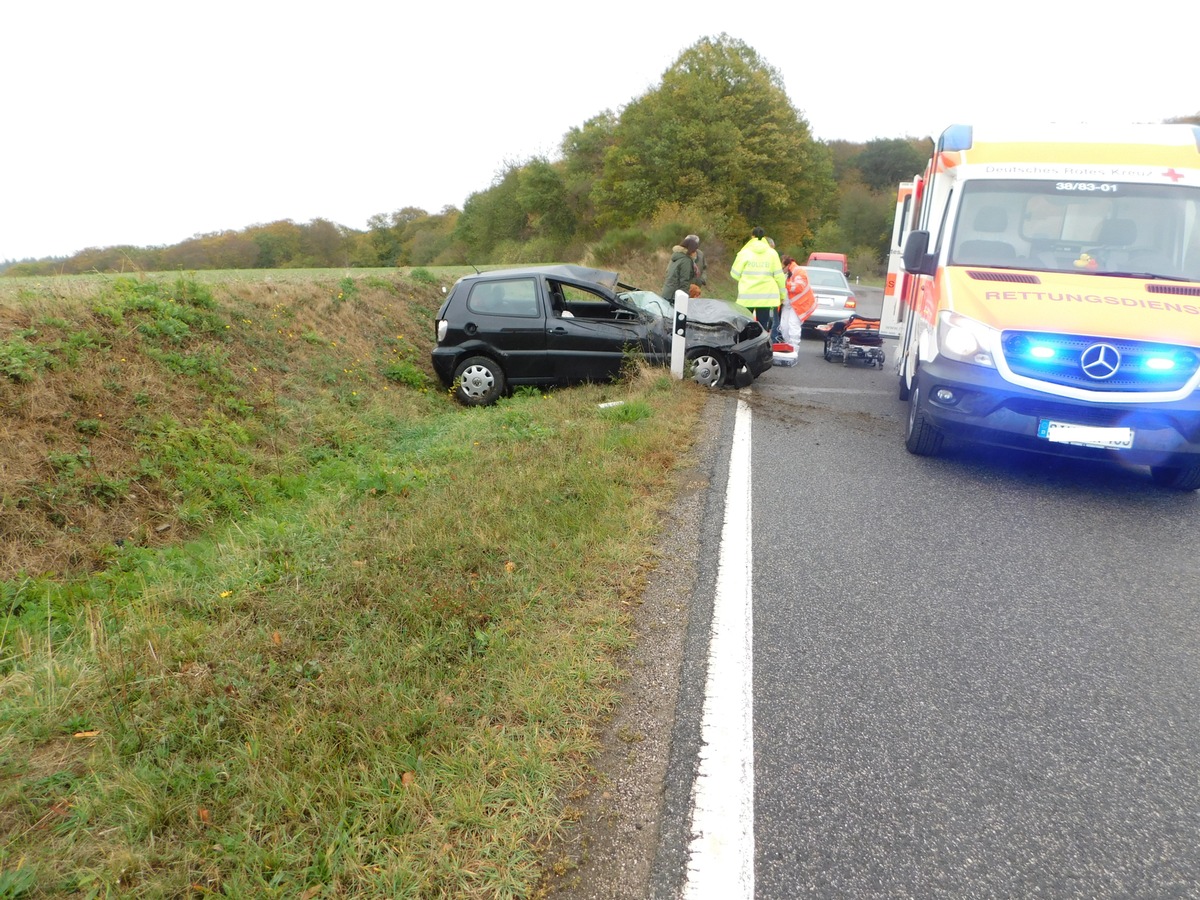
x=134, y=122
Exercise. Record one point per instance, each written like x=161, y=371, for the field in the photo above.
x=279, y=618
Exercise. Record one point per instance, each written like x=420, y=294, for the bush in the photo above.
x=865, y=263
x=22, y=361
x=616, y=246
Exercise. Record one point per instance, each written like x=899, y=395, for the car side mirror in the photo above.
x=917, y=259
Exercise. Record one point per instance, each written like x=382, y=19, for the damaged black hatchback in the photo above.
x=558, y=325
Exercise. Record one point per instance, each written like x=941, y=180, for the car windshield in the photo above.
x=648, y=301
x=1067, y=226
x=826, y=278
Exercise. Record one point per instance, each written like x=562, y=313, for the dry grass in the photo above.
x=372, y=641
x=76, y=431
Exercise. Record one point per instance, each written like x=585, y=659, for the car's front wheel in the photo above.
x=708, y=367
x=479, y=381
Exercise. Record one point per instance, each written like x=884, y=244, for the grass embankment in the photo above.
x=279, y=619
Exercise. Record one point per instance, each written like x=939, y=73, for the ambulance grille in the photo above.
x=1115, y=366
x=1182, y=290
x=1010, y=277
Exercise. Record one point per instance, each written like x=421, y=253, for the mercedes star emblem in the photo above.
x=1100, y=361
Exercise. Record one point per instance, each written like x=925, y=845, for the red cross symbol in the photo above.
x=1172, y=174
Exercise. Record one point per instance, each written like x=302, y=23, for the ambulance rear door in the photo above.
x=892, y=317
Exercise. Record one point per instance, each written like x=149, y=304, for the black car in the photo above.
x=557, y=325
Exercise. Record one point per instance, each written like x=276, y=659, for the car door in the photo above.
x=508, y=317
x=589, y=335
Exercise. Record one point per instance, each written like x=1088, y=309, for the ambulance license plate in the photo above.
x=1086, y=435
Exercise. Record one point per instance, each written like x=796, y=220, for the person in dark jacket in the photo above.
x=700, y=276
x=682, y=267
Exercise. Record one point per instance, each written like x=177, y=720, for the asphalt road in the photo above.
x=975, y=675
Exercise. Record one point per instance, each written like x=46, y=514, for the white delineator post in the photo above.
x=679, y=334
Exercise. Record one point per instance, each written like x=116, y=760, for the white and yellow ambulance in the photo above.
x=1051, y=297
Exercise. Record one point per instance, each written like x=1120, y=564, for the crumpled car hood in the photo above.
x=718, y=312
x=711, y=322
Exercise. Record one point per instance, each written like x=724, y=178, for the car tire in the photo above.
x=1179, y=478
x=478, y=381
x=708, y=368
x=920, y=438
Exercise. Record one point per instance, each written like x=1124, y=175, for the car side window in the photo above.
x=505, y=297
x=584, y=304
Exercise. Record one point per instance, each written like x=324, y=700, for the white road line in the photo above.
x=721, y=851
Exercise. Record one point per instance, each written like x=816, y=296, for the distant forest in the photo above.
x=715, y=149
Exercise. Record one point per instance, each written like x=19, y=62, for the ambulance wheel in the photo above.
x=920, y=438
x=1181, y=478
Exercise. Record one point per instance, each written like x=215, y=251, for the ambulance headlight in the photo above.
x=966, y=340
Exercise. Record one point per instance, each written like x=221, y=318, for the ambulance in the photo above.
x=1051, y=295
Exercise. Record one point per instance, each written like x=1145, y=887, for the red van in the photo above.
x=830, y=261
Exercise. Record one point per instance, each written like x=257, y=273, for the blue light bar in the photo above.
x=958, y=137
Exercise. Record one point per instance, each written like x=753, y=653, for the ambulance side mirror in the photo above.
x=917, y=259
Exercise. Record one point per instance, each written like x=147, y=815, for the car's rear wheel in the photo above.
x=920, y=438
x=708, y=368
x=1179, y=478
x=479, y=381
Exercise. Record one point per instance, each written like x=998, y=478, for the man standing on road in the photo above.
x=762, y=287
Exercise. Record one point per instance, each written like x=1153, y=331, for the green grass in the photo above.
x=380, y=650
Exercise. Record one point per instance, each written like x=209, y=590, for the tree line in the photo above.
x=715, y=149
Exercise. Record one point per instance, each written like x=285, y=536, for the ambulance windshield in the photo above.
x=1115, y=228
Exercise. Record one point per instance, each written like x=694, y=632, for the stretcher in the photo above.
x=855, y=338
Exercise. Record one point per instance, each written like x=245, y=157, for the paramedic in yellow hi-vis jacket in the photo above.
x=762, y=286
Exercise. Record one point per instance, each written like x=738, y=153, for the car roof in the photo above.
x=580, y=274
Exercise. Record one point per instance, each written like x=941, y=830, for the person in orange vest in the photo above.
x=801, y=300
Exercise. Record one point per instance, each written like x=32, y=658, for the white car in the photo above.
x=835, y=297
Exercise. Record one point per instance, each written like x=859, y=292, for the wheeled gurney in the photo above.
x=853, y=338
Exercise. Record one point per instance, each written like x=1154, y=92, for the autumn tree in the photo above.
x=278, y=243
x=583, y=150
x=493, y=216
x=885, y=162
x=430, y=240
x=720, y=132
x=542, y=195
x=322, y=244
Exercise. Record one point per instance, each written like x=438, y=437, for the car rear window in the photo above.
x=505, y=297
x=826, y=277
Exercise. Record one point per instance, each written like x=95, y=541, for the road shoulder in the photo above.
x=610, y=852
